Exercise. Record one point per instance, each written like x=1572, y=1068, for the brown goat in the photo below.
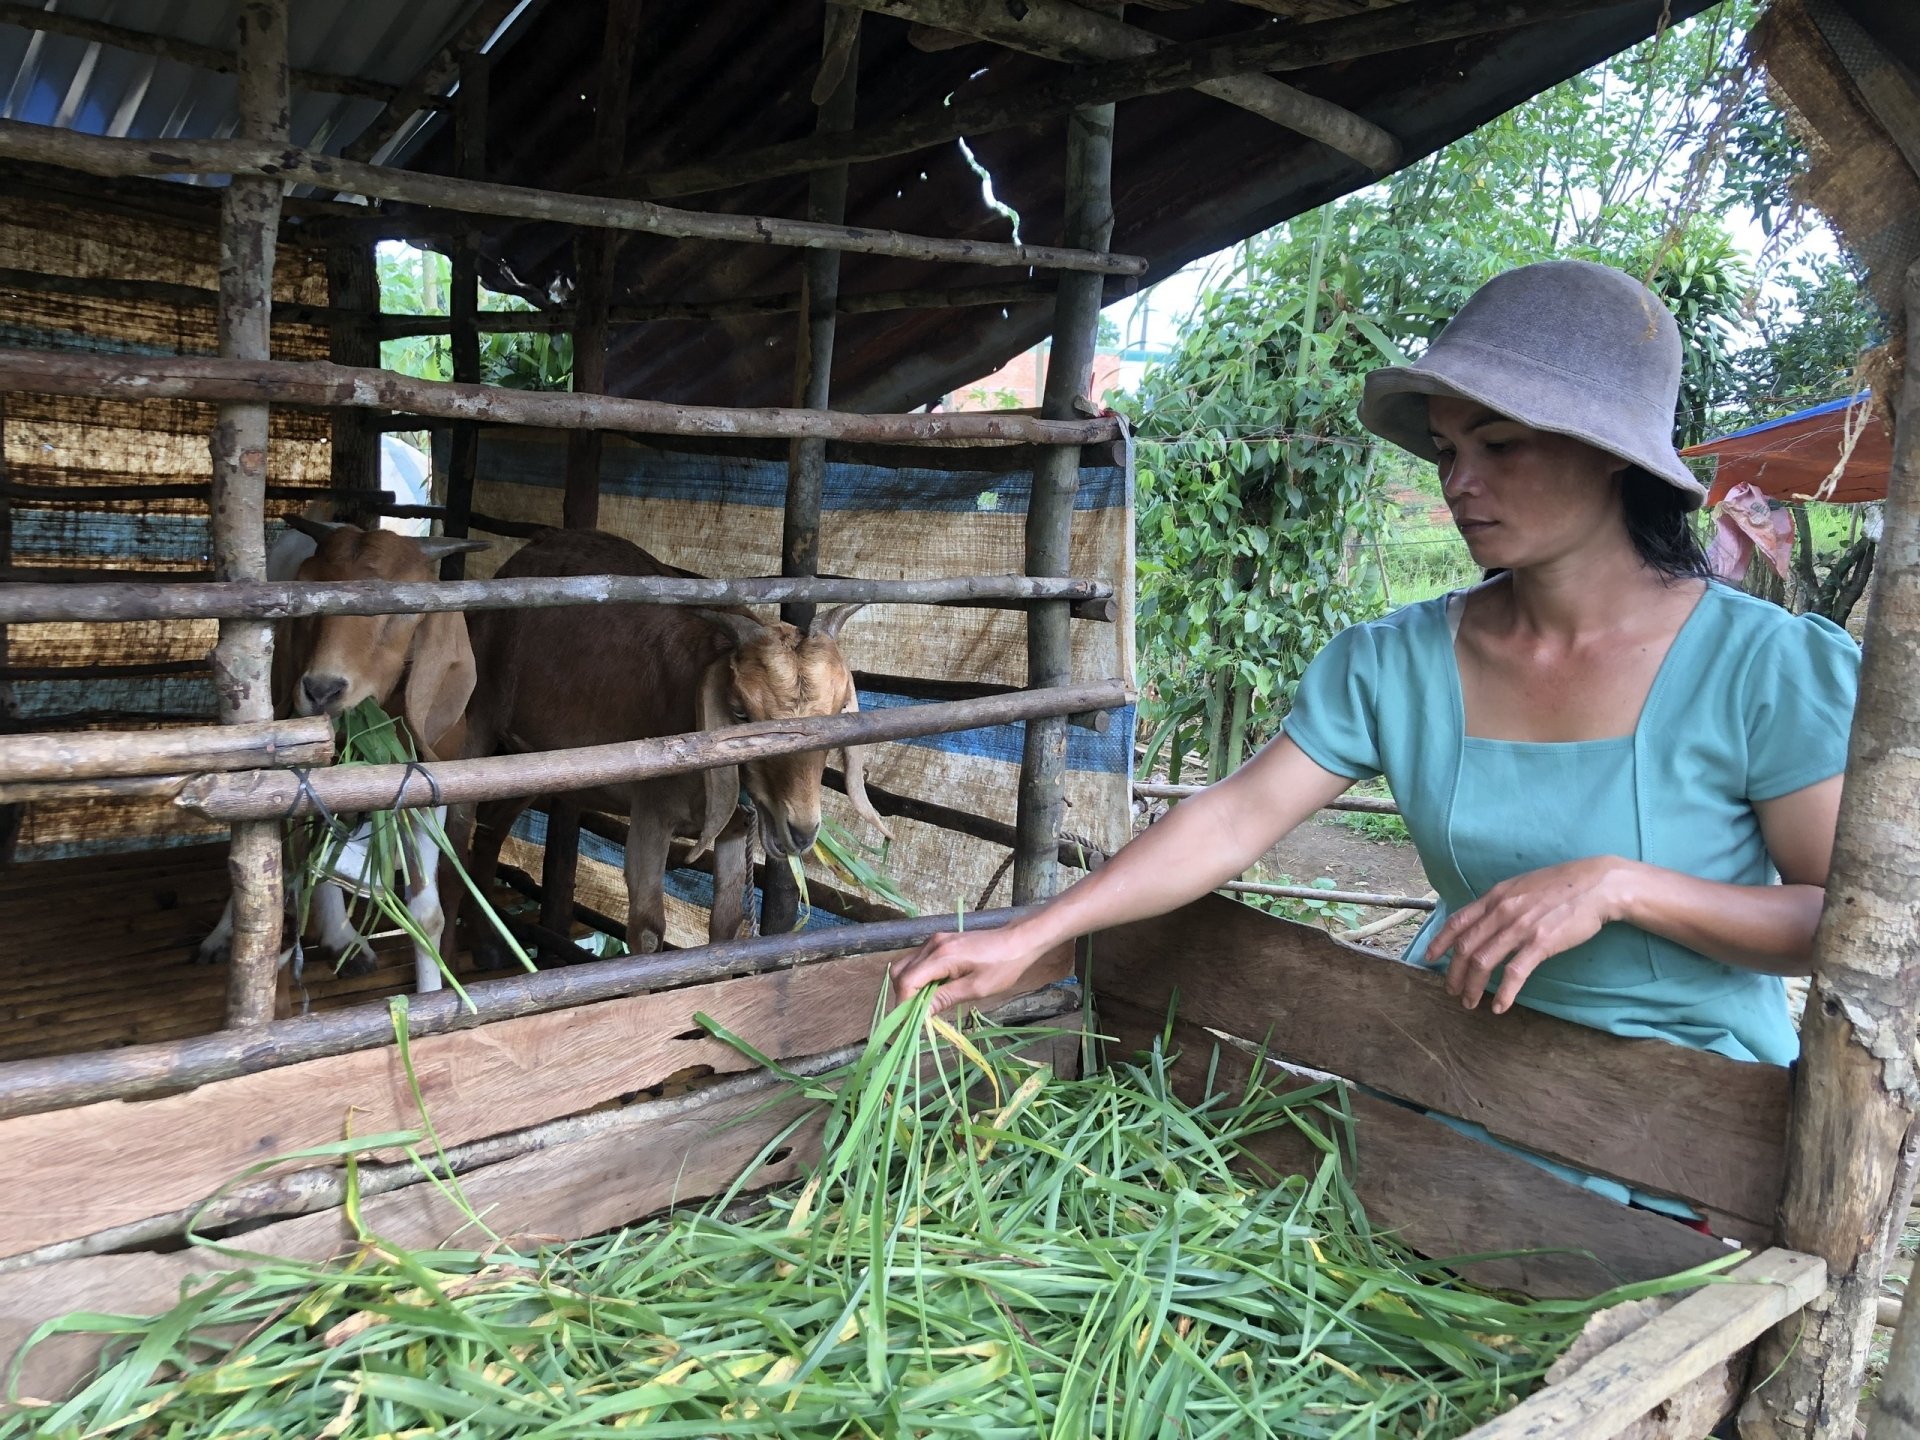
x=326, y=665
x=570, y=676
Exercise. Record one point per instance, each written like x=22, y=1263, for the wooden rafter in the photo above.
x=426, y=90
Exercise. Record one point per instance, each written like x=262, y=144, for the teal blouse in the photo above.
x=1751, y=703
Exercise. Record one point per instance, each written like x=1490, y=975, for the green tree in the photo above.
x=415, y=282
x=1250, y=487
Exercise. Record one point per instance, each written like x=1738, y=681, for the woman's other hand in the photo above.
x=1524, y=920
x=971, y=965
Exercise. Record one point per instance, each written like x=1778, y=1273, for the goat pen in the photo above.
x=563, y=1097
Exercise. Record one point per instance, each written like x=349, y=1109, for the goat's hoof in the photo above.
x=349, y=961
x=212, y=952
x=490, y=952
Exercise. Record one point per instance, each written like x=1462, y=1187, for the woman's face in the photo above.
x=1521, y=496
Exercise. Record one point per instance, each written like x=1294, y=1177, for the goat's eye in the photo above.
x=740, y=717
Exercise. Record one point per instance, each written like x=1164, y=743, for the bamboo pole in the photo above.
x=1073, y=851
x=264, y=794
x=240, y=746
x=1855, y=1091
x=287, y=600
x=835, y=90
x=1176, y=67
x=1049, y=531
x=181, y=52
x=11, y=813
x=100, y=155
x=1061, y=30
x=595, y=253
x=319, y=384
x=243, y=657
x=63, y=1081
x=1332, y=897
x=463, y=284
x=1359, y=804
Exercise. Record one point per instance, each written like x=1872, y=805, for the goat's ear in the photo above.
x=853, y=766
x=743, y=628
x=439, y=677
x=828, y=622
x=721, y=788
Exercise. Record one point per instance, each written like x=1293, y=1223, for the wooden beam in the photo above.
x=287, y=600
x=1088, y=223
x=29, y=1087
x=1061, y=30
x=181, y=52
x=318, y=384
x=1856, y=1091
x=243, y=657
x=244, y=746
x=463, y=297
x=1441, y=1192
x=260, y=795
x=1650, y=1114
x=426, y=89
x=1175, y=67
x=1623, y=1382
x=100, y=155
x=353, y=290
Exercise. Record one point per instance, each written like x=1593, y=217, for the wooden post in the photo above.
x=813, y=374
x=1855, y=1089
x=594, y=255
x=243, y=658
x=1076, y=319
x=463, y=308
x=353, y=294
x=10, y=815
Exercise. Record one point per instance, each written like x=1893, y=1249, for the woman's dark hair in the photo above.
x=1660, y=524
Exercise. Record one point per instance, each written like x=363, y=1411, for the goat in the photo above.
x=327, y=665
x=569, y=676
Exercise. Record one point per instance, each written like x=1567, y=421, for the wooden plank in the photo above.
x=1623, y=1382
x=1659, y=1116
x=1445, y=1193
x=106, y=1164
x=630, y=1164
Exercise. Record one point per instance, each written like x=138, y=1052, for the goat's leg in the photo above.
x=423, y=903
x=342, y=948
x=492, y=824
x=218, y=946
x=648, y=842
x=732, y=871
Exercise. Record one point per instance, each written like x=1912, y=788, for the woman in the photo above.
x=1604, y=759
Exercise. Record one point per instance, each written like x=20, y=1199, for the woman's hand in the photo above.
x=1524, y=920
x=972, y=965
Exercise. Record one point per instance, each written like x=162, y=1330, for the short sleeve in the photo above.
x=1333, y=718
x=1799, y=706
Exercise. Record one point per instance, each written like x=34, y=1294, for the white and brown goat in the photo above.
x=570, y=676
x=327, y=665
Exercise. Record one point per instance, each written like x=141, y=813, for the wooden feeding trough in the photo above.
x=579, y=1099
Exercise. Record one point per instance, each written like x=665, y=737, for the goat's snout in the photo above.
x=322, y=691
x=784, y=837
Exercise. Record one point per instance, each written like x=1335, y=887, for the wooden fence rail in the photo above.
x=286, y=600
x=109, y=157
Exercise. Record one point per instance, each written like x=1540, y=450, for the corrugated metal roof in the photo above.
x=77, y=84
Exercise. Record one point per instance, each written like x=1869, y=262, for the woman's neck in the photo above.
x=1589, y=594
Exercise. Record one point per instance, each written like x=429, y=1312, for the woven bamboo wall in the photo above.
x=52, y=443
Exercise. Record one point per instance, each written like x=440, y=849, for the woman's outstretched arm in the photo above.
x=1205, y=841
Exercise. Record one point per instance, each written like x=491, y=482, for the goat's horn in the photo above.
x=318, y=529
x=742, y=627
x=438, y=547
x=854, y=768
x=828, y=622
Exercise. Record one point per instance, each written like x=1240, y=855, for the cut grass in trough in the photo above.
x=984, y=1249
